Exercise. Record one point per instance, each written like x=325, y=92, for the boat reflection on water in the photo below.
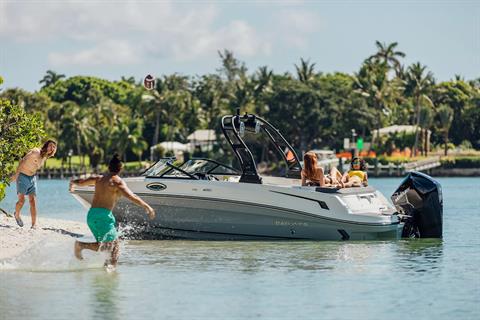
x=419, y=255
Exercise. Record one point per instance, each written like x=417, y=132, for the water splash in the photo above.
x=54, y=255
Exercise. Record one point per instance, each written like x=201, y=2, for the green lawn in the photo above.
x=56, y=163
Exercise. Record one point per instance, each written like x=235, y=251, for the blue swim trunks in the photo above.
x=26, y=184
x=102, y=224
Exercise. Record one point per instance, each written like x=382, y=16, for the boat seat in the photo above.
x=367, y=189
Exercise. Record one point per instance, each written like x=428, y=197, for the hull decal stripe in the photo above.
x=322, y=204
x=232, y=234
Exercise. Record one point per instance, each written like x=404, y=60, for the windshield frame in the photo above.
x=169, y=162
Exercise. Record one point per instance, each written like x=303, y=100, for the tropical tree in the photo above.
x=426, y=121
x=152, y=104
x=213, y=102
x=305, y=71
x=301, y=105
x=418, y=86
x=459, y=96
x=262, y=85
x=19, y=132
x=231, y=68
x=345, y=110
x=372, y=83
x=127, y=135
x=50, y=78
x=445, y=117
x=77, y=128
x=389, y=55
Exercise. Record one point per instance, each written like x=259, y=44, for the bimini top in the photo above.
x=234, y=126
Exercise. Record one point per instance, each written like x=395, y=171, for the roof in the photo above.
x=203, y=135
x=173, y=146
x=396, y=128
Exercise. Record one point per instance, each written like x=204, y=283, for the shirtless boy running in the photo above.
x=108, y=190
x=26, y=180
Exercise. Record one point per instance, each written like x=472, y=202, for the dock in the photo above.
x=392, y=170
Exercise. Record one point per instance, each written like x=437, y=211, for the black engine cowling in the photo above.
x=419, y=202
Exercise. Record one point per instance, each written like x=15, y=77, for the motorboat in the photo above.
x=205, y=199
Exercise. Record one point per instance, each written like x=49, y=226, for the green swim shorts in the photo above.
x=102, y=224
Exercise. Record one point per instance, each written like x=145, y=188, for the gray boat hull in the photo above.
x=200, y=218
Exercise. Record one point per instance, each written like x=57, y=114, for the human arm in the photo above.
x=321, y=178
x=304, y=179
x=365, y=180
x=127, y=193
x=17, y=172
x=345, y=177
x=90, y=181
x=21, y=163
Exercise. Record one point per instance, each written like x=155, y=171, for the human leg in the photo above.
x=114, y=248
x=79, y=246
x=352, y=182
x=33, y=208
x=18, y=207
x=102, y=224
x=335, y=174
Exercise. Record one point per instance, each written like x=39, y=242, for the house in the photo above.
x=202, y=139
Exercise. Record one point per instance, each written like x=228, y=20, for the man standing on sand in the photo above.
x=26, y=180
x=108, y=189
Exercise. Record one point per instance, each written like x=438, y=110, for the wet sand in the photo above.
x=15, y=240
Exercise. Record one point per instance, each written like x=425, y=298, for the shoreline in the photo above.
x=15, y=240
x=436, y=173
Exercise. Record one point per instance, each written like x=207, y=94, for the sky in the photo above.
x=110, y=39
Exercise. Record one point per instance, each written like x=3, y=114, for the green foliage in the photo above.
x=91, y=118
x=50, y=78
x=463, y=99
x=461, y=162
x=396, y=140
x=19, y=132
x=85, y=90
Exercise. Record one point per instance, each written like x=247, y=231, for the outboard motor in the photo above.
x=420, y=206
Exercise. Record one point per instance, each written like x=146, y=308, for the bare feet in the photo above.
x=109, y=267
x=78, y=250
x=34, y=227
x=19, y=221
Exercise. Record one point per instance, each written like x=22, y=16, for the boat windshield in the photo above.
x=172, y=168
x=207, y=166
x=161, y=167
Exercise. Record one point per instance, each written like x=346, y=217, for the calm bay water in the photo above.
x=419, y=279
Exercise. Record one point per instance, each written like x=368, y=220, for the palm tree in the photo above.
x=418, y=85
x=153, y=104
x=211, y=96
x=388, y=55
x=50, y=78
x=306, y=71
x=426, y=119
x=232, y=68
x=76, y=127
x=372, y=83
x=445, y=116
x=262, y=81
x=128, y=135
x=130, y=80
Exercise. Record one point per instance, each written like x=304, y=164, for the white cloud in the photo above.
x=125, y=32
x=296, y=26
x=111, y=52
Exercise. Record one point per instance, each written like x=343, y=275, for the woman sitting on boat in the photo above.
x=312, y=175
x=357, y=175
